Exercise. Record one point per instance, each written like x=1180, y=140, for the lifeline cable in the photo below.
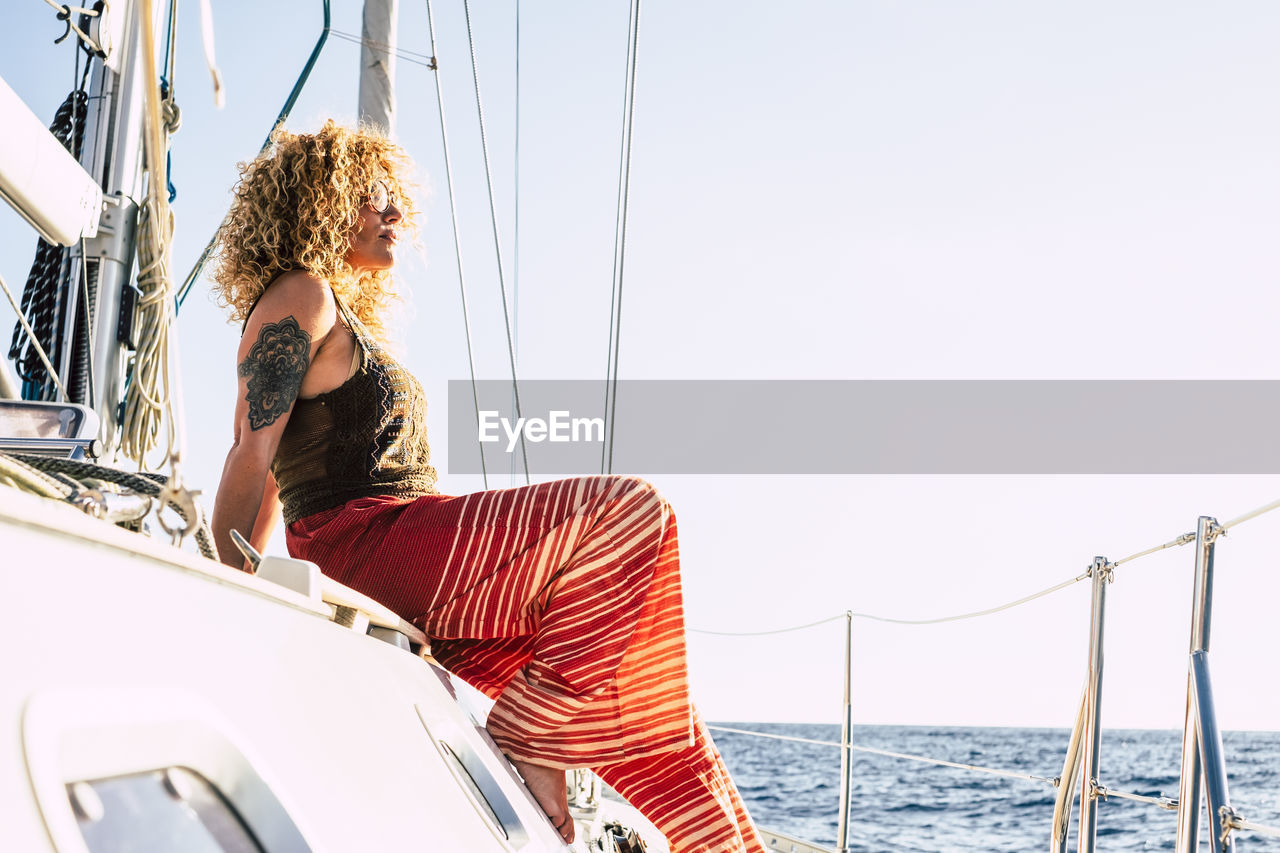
x=871, y=616
x=1180, y=540
x=900, y=755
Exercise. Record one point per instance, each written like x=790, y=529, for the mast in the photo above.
x=378, y=64
x=91, y=363
x=113, y=153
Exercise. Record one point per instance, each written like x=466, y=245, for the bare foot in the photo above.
x=548, y=787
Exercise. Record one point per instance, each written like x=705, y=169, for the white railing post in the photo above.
x=1101, y=574
x=846, y=739
x=1207, y=530
x=1211, y=756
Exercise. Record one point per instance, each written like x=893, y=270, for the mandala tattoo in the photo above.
x=275, y=367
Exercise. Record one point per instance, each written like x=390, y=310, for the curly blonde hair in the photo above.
x=296, y=206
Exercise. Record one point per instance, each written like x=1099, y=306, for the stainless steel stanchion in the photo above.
x=1101, y=574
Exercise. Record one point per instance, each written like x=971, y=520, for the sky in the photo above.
x=827, y=190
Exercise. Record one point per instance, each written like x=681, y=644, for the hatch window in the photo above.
x=158, y=812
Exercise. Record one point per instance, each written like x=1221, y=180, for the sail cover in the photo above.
x=378, y=64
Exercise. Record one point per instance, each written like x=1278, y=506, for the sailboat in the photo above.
x=157, y=700
x=156, y=696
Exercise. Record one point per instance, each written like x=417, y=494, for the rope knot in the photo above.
x=171, y=115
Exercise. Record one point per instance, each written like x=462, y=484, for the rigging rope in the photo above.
x=153, y=394
x=31, y=479
x=976, y=613
x=64, y=15
x=409, y=56
x=85, y=303
x=1249, y=516
x=872, y=617
x=151, y=485
x=1167, y=803
x=775, y=631
x=39, y=350
x=497, y=243
x=1172, y=543
x=1186, y=538
x=148, y=397
x=457, y=244
x=1052, y=780
x=206, y=24
x=151, y=401
x=40, y=298
x=515, y=237
x=1180, y=540
x=1243, y=825
x=620, y=240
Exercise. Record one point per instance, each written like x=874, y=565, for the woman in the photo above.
x=561, y=600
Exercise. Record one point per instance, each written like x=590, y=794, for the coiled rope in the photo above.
x=148, y=484
x=31, y=335
x=40, y=297
x=152, y=400
x=148, y=398
x=31, y=479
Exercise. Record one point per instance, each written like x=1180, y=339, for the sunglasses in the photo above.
x=381, y=196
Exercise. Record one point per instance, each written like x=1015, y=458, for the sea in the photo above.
x=910, y=806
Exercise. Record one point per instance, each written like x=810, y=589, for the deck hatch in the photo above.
x=160, y=811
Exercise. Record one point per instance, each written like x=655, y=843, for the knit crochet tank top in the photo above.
x=366, y=437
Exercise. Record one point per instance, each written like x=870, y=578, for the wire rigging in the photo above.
x=283, y=116
x=497, y=243
x=413, y=58
x=457, y=244
x=620, y=240
x=515, y=240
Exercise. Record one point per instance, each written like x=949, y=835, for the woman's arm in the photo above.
x=287, y=328
x=268, y=515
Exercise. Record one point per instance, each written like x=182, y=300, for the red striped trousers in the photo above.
x=562, y=602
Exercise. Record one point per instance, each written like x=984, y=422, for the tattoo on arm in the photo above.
x=274, y=367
